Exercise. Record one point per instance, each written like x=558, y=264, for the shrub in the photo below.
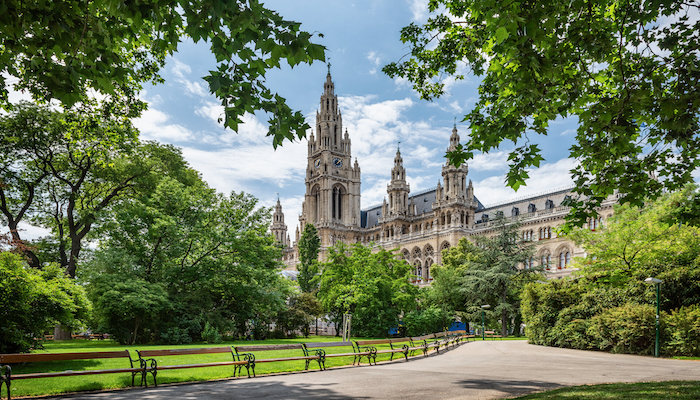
x=33, y=301
x=176, y=335
x=130, y=309
x=683, y=331
x=629, y=328
x=210, y=334
x=429, y=320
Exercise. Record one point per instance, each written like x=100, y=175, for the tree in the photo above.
x=374, y=287
x=211, y=254
x=308, y=246
x=637, y=243
x=132, y=309
x=68, y=50
x=487, y=272
x=608, y=305
x=33, y=301
x=63, y=171
x=627, y=71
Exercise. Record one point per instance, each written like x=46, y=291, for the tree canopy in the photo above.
x=195, y=255
x=63, y=170
x=71, y=50
x=628, y=72
x=374, y=287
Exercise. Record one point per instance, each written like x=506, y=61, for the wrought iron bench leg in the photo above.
x=6, y=378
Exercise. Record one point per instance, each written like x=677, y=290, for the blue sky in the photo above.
x=361, y=37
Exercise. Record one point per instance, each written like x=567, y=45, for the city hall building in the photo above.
x=421, y=224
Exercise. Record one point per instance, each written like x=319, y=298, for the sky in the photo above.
x=361, y=37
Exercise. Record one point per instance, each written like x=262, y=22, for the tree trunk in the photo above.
x=61, y=332
x=504, y=313
x=33, y=260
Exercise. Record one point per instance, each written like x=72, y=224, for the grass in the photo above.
x=672, y=390
x=44, y=386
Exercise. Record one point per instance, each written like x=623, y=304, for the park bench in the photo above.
x=318, y=349
x=246, y=351
x=148, y=356
x=6, y=360
x=393, y=349
x=492, y=335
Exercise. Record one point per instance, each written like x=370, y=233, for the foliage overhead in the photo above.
x=627, y=71
x=69, y=50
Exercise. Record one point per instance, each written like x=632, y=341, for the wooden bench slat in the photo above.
x=179, y=352
x=73, y=373
x=38, y=357
x=373, y=341
x=266, y=360
x=327, y=344
x=248, y=348
x=214, y=364
x=345, y=354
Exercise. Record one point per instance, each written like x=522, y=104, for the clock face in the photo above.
x=317, y=163
x=337, y=162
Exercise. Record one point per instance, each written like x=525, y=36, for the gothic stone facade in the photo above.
x=420, y=225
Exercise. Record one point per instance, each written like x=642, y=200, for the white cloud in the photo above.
x=547, y=178
x=181, y=70
x=375, y=60
x=419, y=9
x=489, y=161
x=153, y=125
x=27, y=231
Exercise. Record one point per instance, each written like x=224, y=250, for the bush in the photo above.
x=175, y=335
x=33, y=301
x=130, y=310
x=626, y=329
x=683, y=331
x=430, y=320
x=210, y=334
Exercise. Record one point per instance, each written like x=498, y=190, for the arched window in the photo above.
x=531, y=208
x=428, y=250
x=549, y=232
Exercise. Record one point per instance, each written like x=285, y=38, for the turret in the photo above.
x=278, y=227
x=398, y=189
x=454, y=177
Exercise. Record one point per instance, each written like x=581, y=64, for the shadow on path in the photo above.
x=511, y=387
x=222, y=390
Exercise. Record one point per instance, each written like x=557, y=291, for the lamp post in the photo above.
x=656, y=282
x=483, y=323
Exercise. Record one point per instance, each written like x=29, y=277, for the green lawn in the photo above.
x=41, y=386
x=672, y=390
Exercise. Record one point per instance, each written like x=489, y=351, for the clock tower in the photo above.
x=332, y=200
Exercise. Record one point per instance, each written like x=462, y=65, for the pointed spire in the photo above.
x=454, y=138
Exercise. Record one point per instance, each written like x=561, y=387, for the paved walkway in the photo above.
x=476, y=370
